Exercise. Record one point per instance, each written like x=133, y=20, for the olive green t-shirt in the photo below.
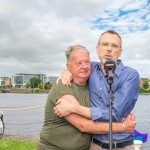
x=57, y=133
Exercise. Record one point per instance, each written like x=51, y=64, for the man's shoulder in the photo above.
x=60, y=85
x=58, y=90
x=130, y=70
x=129, y=73
x=126, y=69
x=94, y=65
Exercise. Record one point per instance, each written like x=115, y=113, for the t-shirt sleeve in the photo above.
x=59, y=90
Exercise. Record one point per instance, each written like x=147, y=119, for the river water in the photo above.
x=29, y=122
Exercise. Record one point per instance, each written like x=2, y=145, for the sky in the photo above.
x=34, y=34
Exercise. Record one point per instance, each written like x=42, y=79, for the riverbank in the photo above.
x=24, y=91
x=23, y=138
x=40, y=91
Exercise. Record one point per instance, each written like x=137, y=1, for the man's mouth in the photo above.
x=85, y=71
x=108, y=56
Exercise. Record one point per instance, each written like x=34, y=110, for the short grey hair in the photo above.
x=73, y=48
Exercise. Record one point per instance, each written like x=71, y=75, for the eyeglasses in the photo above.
x=106, y=45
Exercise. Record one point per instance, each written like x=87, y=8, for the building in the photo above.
x=22, y=78
x=5, y=81
x=52, y=80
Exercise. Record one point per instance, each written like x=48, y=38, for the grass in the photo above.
x=11, y=144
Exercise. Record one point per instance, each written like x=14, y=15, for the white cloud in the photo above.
x=35, y=34
x=134, y=5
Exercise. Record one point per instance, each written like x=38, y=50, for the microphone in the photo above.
x=110, y=67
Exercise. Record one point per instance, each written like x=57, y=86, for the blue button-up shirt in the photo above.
x=125, y=91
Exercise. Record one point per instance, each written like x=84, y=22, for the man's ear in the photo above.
x=97, y=49
x=68, y=66
x=120, y=52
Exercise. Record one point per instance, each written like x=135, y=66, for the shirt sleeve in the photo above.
x=59, y=90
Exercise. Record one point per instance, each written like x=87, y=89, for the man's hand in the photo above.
x=129, y=123
x=65, y=105
x=66, y=78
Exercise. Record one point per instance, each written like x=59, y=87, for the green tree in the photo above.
x=145, y=84
x=41, y=86
x=47, y=85
x=27, y=85
x=34, y=82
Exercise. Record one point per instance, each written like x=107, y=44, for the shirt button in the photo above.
x=100, y=88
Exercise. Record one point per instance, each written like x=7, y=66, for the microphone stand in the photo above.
x=110, y=67
x=111, y=100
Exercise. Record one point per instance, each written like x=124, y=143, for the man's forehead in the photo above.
x=78, y=54
x=109, y=36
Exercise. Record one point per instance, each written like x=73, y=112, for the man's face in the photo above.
x=79, y=65
x=109, y=47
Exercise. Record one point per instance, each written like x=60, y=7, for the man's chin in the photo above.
x=104, y=60
x=86, y=76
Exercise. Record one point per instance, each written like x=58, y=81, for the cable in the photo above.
x=16, y=109
x=16, y=124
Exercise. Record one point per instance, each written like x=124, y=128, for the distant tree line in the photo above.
x=34, y=83
x=145, y=87
x=37, y=83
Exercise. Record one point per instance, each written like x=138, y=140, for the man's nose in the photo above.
x=109, y=47
x=84, y=65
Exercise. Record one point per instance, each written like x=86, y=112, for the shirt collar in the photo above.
x=117, y=70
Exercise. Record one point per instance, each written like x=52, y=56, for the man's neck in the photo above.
x=80, y=81
x=102, y=68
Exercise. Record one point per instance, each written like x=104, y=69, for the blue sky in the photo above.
x=130, y=17
x=34, y=35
